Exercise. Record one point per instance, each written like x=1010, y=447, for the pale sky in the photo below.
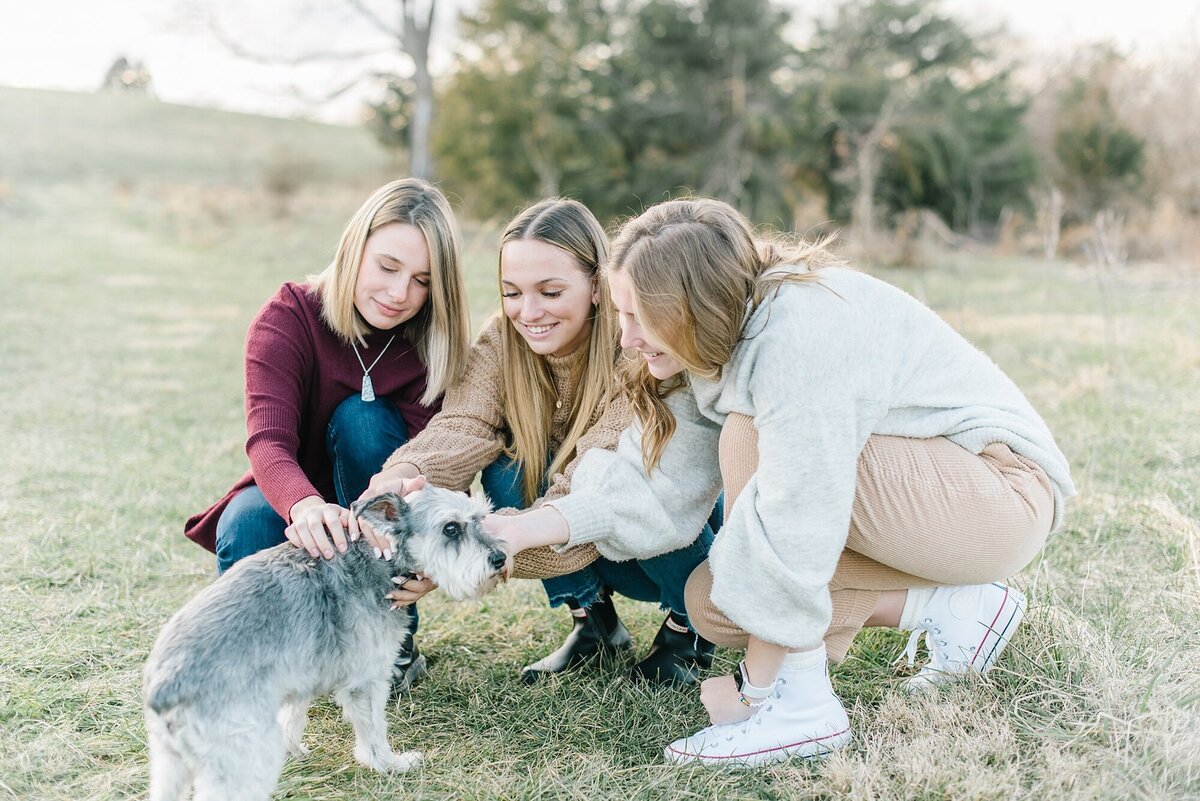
x=68, y=44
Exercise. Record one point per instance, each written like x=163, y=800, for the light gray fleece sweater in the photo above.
x=822, y=366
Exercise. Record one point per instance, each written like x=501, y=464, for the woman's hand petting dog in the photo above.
x=311, y=518
x=382, y=483
x=411, y=589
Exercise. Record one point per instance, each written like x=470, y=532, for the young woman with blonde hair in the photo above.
x=878, y=470
x=539, y=392
x=340, y=371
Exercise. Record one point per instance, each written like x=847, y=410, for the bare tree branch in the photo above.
x=373, y=18
x=242, y=52
x=316, y=100
x=409, y=38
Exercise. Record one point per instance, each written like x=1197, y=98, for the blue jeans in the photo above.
x=360, y=437
x=658, y=579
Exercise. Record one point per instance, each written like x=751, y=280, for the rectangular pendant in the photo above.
x=368, y=389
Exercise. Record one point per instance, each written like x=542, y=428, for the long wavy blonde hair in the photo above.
x=527, y=390
x=698, y=272
x=441, y=330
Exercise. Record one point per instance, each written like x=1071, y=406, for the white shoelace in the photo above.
x=933, y=645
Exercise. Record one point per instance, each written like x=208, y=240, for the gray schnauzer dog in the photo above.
x=231, y=677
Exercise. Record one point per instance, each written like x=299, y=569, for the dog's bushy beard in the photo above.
x=459, y=567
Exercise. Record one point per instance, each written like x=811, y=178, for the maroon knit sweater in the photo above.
x=297, y=372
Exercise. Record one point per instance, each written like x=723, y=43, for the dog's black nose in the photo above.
x=497, y=559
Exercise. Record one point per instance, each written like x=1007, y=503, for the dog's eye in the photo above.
x=452, y=530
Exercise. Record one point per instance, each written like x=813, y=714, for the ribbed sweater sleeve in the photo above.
x=465, y=436
x=279, y=364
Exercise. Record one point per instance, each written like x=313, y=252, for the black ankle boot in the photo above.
x=596, y=636
x=675, y=657
x=409, y=668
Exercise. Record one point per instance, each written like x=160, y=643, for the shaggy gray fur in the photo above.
x=228, y=684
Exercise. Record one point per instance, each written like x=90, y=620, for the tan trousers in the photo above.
x=926, y=512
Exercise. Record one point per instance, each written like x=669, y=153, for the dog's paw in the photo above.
x=396, y=763
x=389, y=762
x=405, y=761
x=297, y=749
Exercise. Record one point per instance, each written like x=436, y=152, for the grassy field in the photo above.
x=136, y=242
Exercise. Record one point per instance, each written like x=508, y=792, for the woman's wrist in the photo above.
x=398, y=470
x=546, y=526
x=758, y=673
x=532, y=529
x=307, y=502
x=390, y=479
x=751, y=695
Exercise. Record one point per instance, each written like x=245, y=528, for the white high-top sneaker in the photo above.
x=965, y=629
x=801, y=718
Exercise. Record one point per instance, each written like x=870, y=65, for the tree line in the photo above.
x=858, y=117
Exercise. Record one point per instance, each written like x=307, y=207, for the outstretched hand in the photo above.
x=542, y=526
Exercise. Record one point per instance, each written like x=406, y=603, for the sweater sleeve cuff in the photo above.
x=397, y=458
x=588, y=518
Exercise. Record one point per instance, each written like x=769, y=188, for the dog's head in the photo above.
x=437, y=532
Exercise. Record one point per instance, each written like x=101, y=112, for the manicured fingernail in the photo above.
x=387, y=553
x=378, y=553
x=328, y=554
x=343, y=547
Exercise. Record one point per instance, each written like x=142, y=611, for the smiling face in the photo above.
x=393, y=277
x=661, y=365
x=546, y=295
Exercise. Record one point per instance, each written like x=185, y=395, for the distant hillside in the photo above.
x=50, y=137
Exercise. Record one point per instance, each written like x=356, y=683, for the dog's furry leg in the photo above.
x=170, y=775
x=293, y=717
x=241, y=766
x=365, y=707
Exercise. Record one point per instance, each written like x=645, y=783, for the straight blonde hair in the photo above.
x=527, y=390
x=698, y=272
x=441, y=330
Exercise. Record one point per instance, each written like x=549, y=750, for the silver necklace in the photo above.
x=368, y=389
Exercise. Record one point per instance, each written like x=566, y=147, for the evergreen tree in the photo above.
x=920, y=115
x=1100, y=160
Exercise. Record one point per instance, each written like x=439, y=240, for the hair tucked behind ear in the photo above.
x=698, y=272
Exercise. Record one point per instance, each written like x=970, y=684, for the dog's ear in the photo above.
x=388, y=507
